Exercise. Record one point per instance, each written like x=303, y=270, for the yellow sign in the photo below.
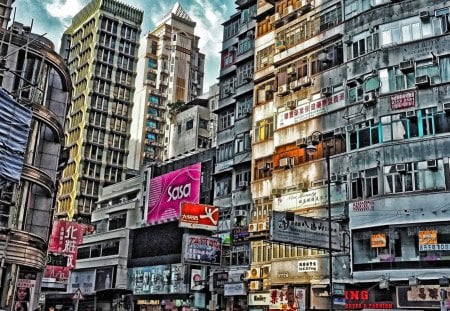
x=378, y=240
x=428, y=237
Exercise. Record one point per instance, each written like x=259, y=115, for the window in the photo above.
x=364, y=134
x=203, y=124
x=355, y=7
x=240, y=255
x=242, y=177
x=263, y=130
x=429, y=68
x=117, y=221
x=242, y=142
x=330, y=17
x=226, y=120
x=244, y=107
x=223, y=187
x=225, y=152
x=189, y=124
x=362, y=43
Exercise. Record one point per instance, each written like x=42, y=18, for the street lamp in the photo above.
x=310, y=150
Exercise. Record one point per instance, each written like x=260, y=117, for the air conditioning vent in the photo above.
x=290, y=70
x=302, y=142
x=326, y=91
x=349, y=127
x=369, y=98
x=336, y=178
x=264, y=166
x=357, y=175
x=401, y=168
x=255, y=285
x=423, y=81
x=406, y=66
x=283, y=89
x=252, y=227
x=304, y=81
x=410, y=113
x=348, y=40
x=291, y=104
x=263, y=226
x=243, y=184
x=294, y=85
x=247, y=111
x=432, y=164
x=424, y=15
x=266, y=271
x=286, y=162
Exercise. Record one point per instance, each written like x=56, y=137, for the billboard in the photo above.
x=83, y=280
x=168, y=191
x=199, y=216
x=64, y=240
x=161, y=279
x=305, y=231
x=198, y=249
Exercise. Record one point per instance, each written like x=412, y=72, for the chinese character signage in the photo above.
x=199, y=249
x=307, y=265
x=168, y=191
x=199, y=216
x=239, y=234
x=378, y=240
x=64, y=240
x=305, y=231
x=361, y=206
x=423, y=296
x=403, y=100
x=310, y=109
x=427, y=237
x=287, y=298
x=219, y=279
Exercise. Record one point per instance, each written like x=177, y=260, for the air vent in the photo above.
x=283, y=89
x=406, y=66
x=432, y=164
x=326, y=91
x=424, y=15
x=243, y=184
x=369, y=98
x=423, y=81
x=401, y=168
x=349, y=127
x=302, y=142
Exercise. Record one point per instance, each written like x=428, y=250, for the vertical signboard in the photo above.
x=24, y=293
x=168, y=191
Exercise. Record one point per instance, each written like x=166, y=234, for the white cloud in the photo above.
x=64, y=9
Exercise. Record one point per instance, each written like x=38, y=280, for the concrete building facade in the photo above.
x=100, y=48
x=365, y=81
x=170, y=72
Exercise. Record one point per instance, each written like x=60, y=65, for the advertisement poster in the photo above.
x=24, y=293
x=161, y=279
x=83, y=280
x=197, y=279
x=64, y=240
x=168, y=191
x=104, y=278
x=199, y=216
x=424, y=296
x=200, y=249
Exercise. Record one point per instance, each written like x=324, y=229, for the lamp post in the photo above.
x=311, y=149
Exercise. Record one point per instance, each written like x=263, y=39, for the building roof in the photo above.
x=178, y=11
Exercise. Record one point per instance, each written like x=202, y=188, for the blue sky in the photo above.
x=53, y=16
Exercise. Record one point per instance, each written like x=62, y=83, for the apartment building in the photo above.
x=232, y=172
x=362, y=84
x=36, y=90
x=170, y=73
x=100, y=48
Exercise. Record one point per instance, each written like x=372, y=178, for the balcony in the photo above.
x=149, y=142
x=47, y=116
x=39, y=177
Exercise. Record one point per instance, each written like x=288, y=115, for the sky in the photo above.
x=54, y=16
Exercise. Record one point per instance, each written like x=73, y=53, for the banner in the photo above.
x=428, y=237
x=199, y=216
x=168, y=191
x=378, y=240
x=198, y=249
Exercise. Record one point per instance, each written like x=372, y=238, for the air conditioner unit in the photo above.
x=263, y=226
x=265, y=166
x=294, y=85
x=255, y=273
x=401, y=168
x=349, y=127
x=423, y=81
x=247, y=275
x=280, y=45
x=283, y=89
x=446, y=107
x=357, y=175
x=255, y=285
x=369, y=98
x=247, y=111
x=339, y=131
x=268, y=87
x=424, y=15
x=410, y=113
x=276, y=192
x=243, y=184
x=265, y=271
x=335, y=178
x=326, y=91
x=240, y=213
x=252, y=227
x=302, y=142
x=286, y=162
x=304, y=81
x=432, y=164
x=406, y=66
x=348, y=39
x=291, y=104
x=290, y=70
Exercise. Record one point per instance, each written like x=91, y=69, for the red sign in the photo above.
x=360, y=299
x=403, y=100
x=199, y=216
x=64, y=240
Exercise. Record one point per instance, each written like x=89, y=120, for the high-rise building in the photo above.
x=100, y=48
x=351, y=127
x=233, y=169
x=35, y=93
x=170, y=72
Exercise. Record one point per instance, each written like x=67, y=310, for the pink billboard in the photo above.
x=168, y=191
